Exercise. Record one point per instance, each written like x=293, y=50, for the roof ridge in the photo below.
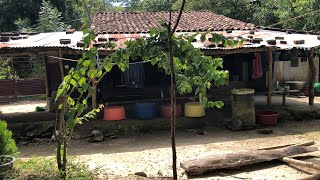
x=150, y=12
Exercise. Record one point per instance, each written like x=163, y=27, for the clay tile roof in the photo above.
x=142, y=22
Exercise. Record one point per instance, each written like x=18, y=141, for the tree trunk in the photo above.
x=173, y=104
x=232, y=160
x=313, y=76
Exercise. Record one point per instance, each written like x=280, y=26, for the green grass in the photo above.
x=38, y=168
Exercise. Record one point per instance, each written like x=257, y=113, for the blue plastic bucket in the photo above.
x=145, y=110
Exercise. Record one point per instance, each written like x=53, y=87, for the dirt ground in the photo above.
x=151, y=153
x=21, y=106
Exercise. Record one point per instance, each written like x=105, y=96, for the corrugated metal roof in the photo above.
x=252, y=39
x=44, y=40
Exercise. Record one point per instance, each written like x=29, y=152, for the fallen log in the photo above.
x=309, y=143
x=312, y=177
x=300, y=163
x=232, y=160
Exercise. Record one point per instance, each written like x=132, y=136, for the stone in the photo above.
x=23, y=143
x=96, y=136
x=31, y=133
x=76, y=137
x=142, y=174
x=265, y=131
x=42, y=140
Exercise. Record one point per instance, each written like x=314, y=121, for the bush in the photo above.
x=7, y=144
x=39, y=168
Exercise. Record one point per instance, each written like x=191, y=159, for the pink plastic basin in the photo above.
x=267, y=118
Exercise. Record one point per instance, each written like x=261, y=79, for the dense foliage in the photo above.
x=5, y=68
x=7, y=144
x=25, y=14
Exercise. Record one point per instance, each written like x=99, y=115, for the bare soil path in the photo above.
x=151, y=153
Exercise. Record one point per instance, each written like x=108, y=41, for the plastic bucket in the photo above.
x=145, y=110
x=114, y=113
x=194, y=109
x=267, y=118
x=166, y=111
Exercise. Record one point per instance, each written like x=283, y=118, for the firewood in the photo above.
x=312, y=177
x=231, y=160
x=309, y=143
x=300, y=163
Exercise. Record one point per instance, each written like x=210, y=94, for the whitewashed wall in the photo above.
x=284, y=72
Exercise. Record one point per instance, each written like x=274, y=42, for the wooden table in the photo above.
x=284, y=93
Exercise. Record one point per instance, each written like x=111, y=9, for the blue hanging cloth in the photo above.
x=134, y=76
x=265, y=62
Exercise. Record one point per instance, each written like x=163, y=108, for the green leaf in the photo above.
x=74, y=83
x=85, y=86
x=67, y=78
x=84, y=102
x=153, y=31
x=71, y=123
x=108, y=66
x=82, y=80
x=203, y=38
x=59, y=92
x=86, y=63
x=99, y=73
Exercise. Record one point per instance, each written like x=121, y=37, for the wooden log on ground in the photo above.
x=232, y=160
x=300, y=163
x=312, y=177
x=309, y=143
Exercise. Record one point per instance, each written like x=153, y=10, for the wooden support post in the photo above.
x=270, y=76
x=46, y=77
x=312, y=78
x=61, y=65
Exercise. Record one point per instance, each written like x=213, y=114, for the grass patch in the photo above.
x=38, y=168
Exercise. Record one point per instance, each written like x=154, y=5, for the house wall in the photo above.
x=284, y=72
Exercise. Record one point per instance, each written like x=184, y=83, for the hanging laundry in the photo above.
x=294, y=57
x=304, y=56
x=257, y=67
x=134, y=76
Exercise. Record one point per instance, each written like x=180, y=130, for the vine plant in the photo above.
x=194, y=72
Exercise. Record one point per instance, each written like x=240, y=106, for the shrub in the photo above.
x=40, y=168
x=7, y=144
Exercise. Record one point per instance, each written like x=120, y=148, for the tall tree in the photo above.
x=50, y=19
x=237, y=9
x=298, y=14
x=12, y=10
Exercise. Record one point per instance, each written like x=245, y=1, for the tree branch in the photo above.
x=179, y=17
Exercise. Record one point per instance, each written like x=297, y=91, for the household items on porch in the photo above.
x=166, y=110
x=134, y=76
x=243, y=106
x=114, y=113
x=194, y=109
x=296, y=85
x=145, y=110
x=267, y=118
